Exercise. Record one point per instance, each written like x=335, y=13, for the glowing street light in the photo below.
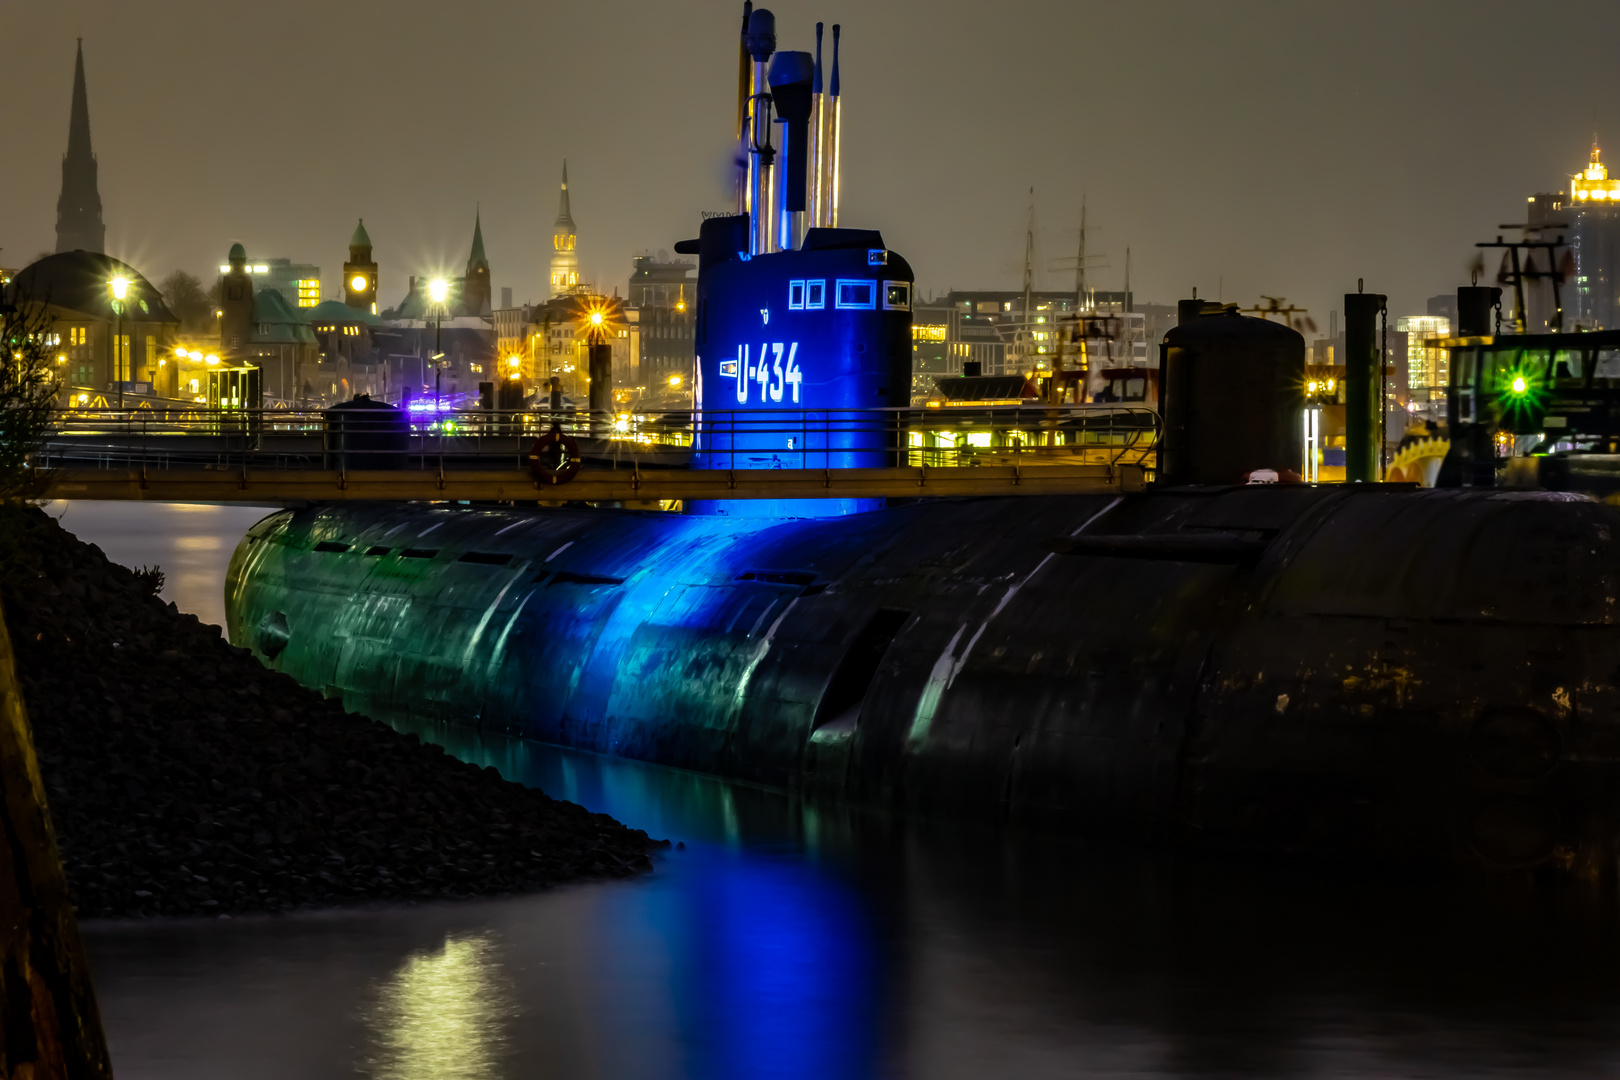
x=439, y=290
x=119, y=287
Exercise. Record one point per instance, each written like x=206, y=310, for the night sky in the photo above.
x=1243, y=148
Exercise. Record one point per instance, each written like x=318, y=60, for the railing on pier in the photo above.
x=961, y=449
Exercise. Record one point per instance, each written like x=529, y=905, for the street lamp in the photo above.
x=119, y=287
x=438, y=289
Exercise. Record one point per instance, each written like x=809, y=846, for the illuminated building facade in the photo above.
x=991, y=329
x=564, y=238
x=260, y=327
x=540, y=341
x=1594, y=245
x=1427, y=367
x=663, y=294
x=360, y=272
x=298, y=283
x=96, y=338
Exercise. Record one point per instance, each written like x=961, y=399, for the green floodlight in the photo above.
x=1522, y=399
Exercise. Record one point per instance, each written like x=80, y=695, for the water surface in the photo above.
x=795, y=940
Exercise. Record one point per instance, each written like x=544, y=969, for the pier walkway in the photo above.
x=284, y=457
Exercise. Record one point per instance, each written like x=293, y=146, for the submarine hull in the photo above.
x=1408, y=674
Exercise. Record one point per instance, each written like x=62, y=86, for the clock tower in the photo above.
x=360, y=273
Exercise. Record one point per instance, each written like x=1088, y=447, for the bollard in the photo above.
x=1363, y=387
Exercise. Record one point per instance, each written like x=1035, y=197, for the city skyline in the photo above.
x=1282, y=203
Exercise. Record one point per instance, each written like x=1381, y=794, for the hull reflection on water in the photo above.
x=794, y=941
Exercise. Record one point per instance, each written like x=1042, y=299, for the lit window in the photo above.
x=795, y=296
x=896, y=296
x=815, y=295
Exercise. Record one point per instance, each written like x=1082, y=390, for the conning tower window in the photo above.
x=860, y=295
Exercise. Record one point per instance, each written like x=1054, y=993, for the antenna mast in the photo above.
x=1029, y=277
x=1080, y=262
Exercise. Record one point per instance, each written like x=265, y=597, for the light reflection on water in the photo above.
x=794, y=940
x=442, y=1015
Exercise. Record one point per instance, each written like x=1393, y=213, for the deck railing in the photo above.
x=193, y=437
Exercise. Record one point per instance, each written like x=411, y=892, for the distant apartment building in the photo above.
x=662, y=294
x=543, y=341
x=992, y=328
x=1427, y=366
x=1593, y=211
x=298, y=283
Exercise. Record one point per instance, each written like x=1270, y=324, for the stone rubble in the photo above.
x=185, y=778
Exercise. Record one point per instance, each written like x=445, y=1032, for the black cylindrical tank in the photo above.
x=366, y=434
x=1233, y=392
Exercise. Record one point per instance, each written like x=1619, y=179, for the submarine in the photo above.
x=1363, y=670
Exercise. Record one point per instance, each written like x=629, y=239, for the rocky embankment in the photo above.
x=185, y=778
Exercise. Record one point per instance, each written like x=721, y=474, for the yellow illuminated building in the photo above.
x=1593, y=184
x=1427, y=367
x=564, y=259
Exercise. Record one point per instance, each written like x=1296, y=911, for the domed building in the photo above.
x=99, y=339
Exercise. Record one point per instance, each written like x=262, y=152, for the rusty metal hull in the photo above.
x=1432, y=674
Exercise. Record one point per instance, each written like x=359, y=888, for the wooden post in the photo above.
x=50, y=1028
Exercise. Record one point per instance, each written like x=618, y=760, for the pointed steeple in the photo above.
x=475, y=287
x=79, y=124
x=477, y=257
x=564, y=217
x=78, y=208
x=564, y=260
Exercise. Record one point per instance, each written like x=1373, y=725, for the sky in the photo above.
x=1242, y=148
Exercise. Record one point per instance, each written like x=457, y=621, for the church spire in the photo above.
x=475, y=287
x=477, y=256
x=78, y=208
x=564, y=259
x=564, y=217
